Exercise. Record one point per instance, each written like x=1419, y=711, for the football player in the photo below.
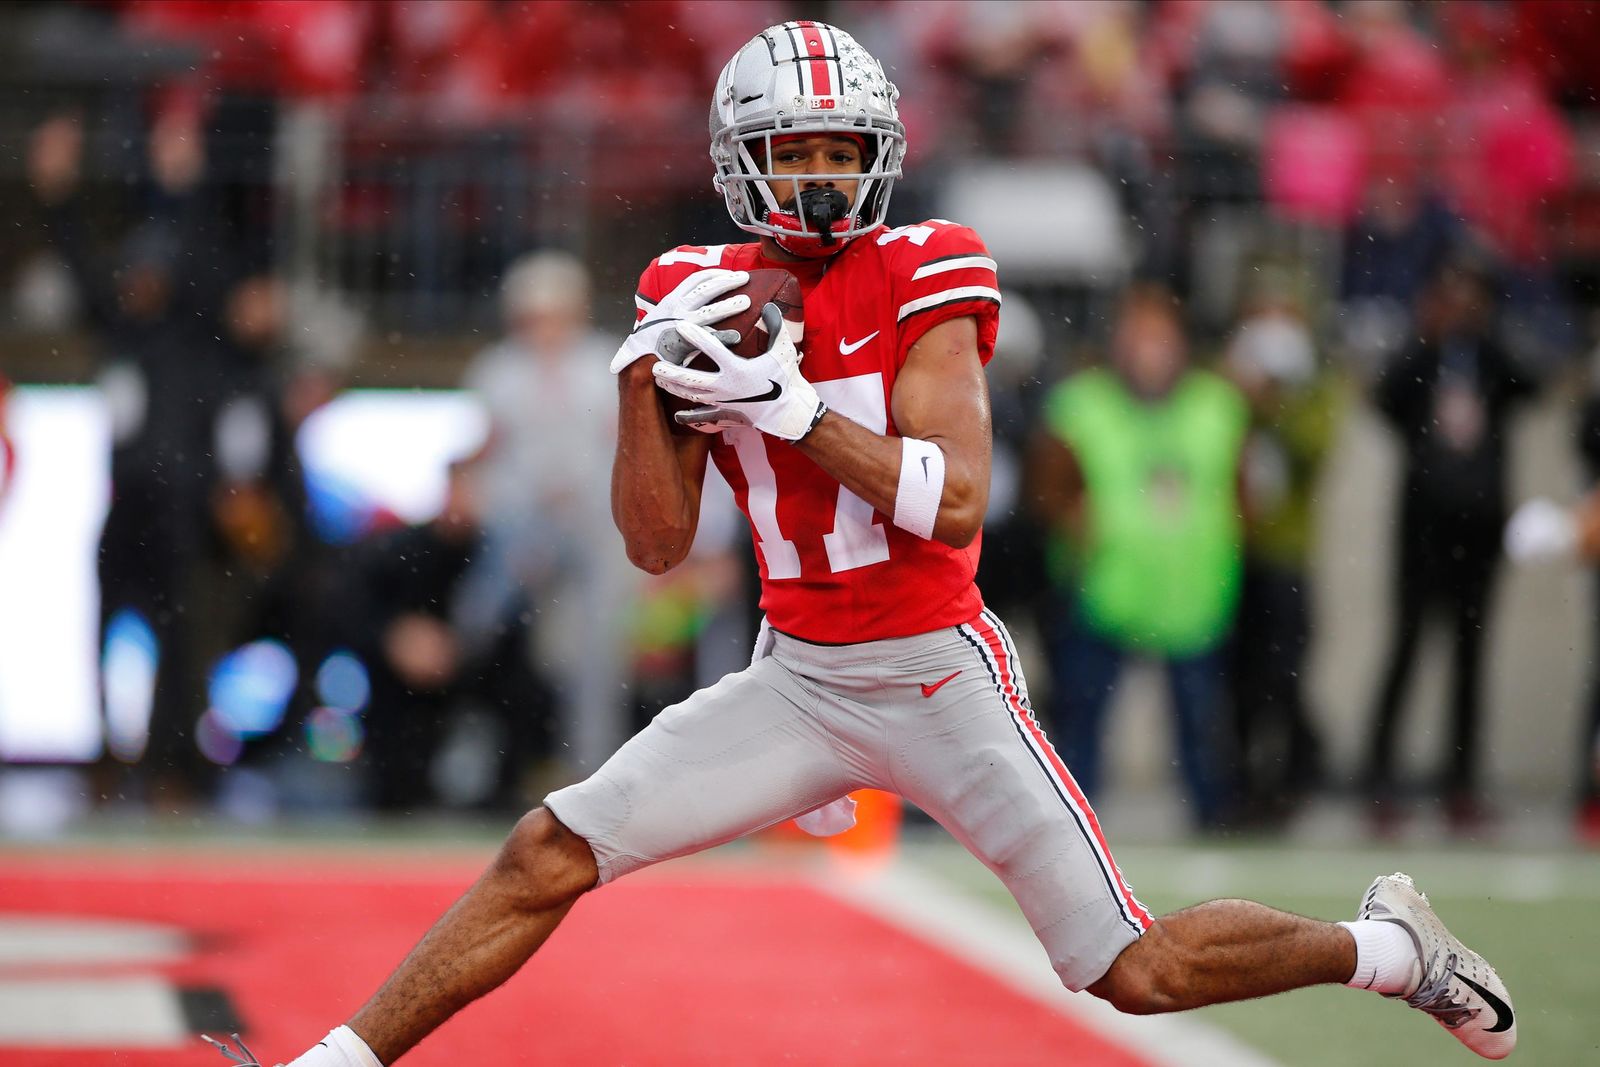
x=864, y=472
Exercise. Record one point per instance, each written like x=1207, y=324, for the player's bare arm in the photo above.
x=657, y=477
x=940, y=397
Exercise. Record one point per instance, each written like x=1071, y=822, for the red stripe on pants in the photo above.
x=997, y=648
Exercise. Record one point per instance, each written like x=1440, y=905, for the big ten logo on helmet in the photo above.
x=825, y=103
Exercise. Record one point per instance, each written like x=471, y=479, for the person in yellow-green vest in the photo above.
x=1136, y=475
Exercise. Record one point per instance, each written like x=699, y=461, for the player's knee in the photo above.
x=1146, y=979
x=543, y=864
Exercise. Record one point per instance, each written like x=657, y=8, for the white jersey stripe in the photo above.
x=948, y=296
x=939, y=266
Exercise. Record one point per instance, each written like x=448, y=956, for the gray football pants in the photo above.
x=942, y=718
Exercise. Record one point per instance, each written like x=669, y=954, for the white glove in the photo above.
x=765, y=391
x=1540, y=530
x=691, y=302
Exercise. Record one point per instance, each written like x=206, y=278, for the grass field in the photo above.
x=1535, y=915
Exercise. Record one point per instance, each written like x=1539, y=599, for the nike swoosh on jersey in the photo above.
x=848, y=348
x=929, y=690
x=1502, y=1010
x=771, y=394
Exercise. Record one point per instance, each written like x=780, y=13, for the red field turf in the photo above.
x=703, y=966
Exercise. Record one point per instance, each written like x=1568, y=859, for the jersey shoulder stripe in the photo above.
x=935, y=256
x=959, y=261
x=958, y=295
x=940, y=270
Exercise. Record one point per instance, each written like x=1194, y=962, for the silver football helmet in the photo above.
x=803, y=78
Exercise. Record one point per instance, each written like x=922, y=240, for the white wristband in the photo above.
x=342, y=1047
x=916, y=502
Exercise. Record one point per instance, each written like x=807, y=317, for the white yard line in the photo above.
x=138, y=1011
x=926, y=906
x=28, y=940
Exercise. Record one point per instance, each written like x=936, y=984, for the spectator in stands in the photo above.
x=414, y=589
x=1508, y=164
x=1402, y=236
x=272, y=574
x=1449, y=396
x=155, y=312
x=1233, y=76
x=1295, y=407
x=1136, y=477
x=552, y=422
x=257, y=503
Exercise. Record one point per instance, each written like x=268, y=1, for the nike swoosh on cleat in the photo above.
x=847, y=348
x=1502, y=1010
x=929, y=690
x=771, y=394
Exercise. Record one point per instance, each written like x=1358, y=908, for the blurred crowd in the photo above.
x=1410, y=194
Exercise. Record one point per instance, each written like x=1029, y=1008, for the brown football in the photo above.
x=764, y=287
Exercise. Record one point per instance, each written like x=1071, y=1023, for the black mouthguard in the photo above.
x=824, y=209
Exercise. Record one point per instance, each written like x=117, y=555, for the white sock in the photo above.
x=341, y=1048
x=1386, y=957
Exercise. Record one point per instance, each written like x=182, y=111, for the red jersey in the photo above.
x=833, y=568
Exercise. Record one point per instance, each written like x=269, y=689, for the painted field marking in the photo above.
x=132, y=1012
x=47, y=941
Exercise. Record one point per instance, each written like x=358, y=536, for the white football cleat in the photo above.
x=1457, y=986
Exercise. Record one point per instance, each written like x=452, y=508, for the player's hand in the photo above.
x=766, y=391
x=693, y=301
